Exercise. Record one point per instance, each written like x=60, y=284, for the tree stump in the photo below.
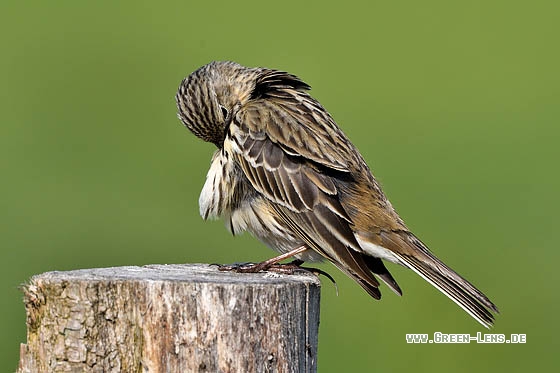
x=170, y=318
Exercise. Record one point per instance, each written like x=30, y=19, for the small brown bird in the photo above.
x=285, y=172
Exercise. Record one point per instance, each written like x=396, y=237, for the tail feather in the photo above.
x=406, y=249
x=459, y=290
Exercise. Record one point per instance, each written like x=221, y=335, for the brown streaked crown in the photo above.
x=208, y=99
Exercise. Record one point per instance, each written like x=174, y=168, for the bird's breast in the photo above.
x=220, y=192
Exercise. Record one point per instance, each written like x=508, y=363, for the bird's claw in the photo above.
x=286, y=268
x=317, y=272
x=258, y=267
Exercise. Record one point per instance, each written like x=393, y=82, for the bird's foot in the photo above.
x=288, y=268
x=283, y=268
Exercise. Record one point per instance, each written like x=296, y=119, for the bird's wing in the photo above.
x=295, y=121
x=291, y=156
x=296, y=178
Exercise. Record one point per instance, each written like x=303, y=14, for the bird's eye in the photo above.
x=224, y=111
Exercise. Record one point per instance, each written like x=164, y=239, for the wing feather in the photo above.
x=300, y=126
x=319, y=238
x=300, y=187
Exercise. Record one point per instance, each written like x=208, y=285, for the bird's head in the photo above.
x=209, y=98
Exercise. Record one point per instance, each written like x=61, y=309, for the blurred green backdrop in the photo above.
x=455, y=105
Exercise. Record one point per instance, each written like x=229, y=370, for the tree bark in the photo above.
x=170, y=318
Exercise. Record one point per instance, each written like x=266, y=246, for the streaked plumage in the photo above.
x=285, y=172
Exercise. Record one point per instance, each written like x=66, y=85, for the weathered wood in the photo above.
x=170, y=318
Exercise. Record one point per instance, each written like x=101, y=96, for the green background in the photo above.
x=455, y=106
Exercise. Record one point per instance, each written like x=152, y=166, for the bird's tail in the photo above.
x=449, y=282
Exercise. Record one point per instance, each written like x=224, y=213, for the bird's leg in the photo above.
x=273, y=265
x=268, y=264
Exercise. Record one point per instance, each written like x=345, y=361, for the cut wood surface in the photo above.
x=170, y=318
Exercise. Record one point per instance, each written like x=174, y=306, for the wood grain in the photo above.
x=170, y=318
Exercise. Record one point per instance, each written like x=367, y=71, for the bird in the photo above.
x=285, y=172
